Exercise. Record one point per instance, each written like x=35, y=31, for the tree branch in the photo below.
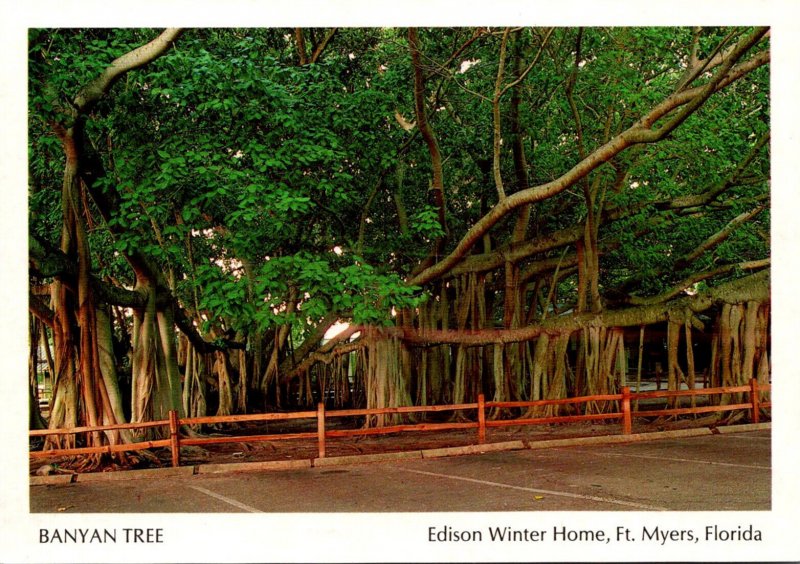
x=638, y=133
x=97, y=88
x=530, y=66
x=38, y=308
x=425, y=128
x=319, y=49
x=325, y=358
x=309, y=343
x=300, y=41
x=714, y=191
x=688, y=101
x=717, y=237
x=698, y=277
x=755, y=287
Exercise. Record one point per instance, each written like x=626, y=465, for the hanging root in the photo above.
x=106, y=462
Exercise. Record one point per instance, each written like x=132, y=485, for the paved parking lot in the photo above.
x=660, y=475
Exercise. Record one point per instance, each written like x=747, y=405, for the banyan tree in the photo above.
x=525, y=213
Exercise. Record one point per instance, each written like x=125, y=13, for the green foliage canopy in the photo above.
x=253, y=181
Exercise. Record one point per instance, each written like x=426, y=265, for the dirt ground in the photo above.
x=242, y=451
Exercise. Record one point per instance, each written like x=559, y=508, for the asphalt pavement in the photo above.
x=693, y=473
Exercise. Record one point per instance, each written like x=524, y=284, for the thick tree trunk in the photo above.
x=194, y=387
x=740, y=347
x=85, y=388
x=690, y=371
x=674, y=372
x=222, y=369
x=36, y=333
x=85, y=391
x=385, y=381
x=241, y=385
x=155, y=377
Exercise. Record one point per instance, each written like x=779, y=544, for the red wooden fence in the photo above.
x=626, y=415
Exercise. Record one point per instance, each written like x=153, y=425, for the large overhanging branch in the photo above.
x=38, y=308
x=688, y=101
x=641, y=132
x=46, y=261
x=519, y=251
x=49, y=262
x=697, y=67
x=755, y=287
x=709, y=195
x=311, y=341
x=718, y=237
x=546, y=265
x=186, y=326
x=337, y=346
x=97, y=88
x=693, y=279
x=687, y=260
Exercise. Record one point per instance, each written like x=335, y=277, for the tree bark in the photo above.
x=753, y=287
x=684, y=103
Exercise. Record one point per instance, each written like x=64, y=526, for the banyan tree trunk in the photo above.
x=271, y=376
x=111, y=394
x=743, y=345
x=761, y=341
x=155, y=374
x=602, y=364
x=510, y=376
x=740, y=347
x=385, y=379
x=690, y=369
x=471, y=308
x=85, y=386
x=222, y=369
x=194, y=388
x=242, y=384
x=674, y=372
x=36, y=335
x=64, y=402
x=550, y=369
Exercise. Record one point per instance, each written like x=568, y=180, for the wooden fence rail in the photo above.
x=625, y=414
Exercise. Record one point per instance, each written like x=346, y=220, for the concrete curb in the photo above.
x=56, y=480
x=638, y=437
x=180, y=472
x=744, y=428
x=472, y=449
x=611, y=439
x=365, y=458
x=187, y=471
x=252, y=466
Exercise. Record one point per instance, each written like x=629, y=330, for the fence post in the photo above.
x=321, y=428
x=481, y=419
x=754, y=400
x=174, y=438
x=626, y=410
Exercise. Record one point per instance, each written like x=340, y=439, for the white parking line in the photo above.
x=227, y=500
x=536, y=490
x=654, y=457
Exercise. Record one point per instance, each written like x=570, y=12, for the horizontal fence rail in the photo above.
x=753, y=406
